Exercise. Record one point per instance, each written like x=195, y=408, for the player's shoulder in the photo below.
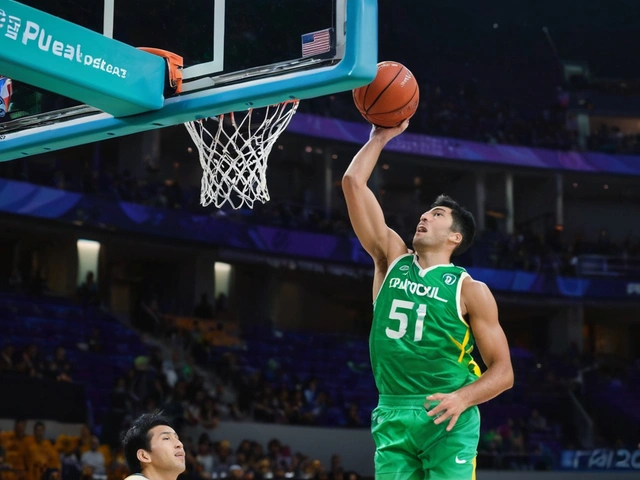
x=474, y=289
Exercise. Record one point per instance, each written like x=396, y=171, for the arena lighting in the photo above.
x=88, y=252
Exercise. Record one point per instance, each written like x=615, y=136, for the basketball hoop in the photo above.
x=234, y=154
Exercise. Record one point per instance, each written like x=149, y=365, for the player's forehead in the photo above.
x=160, y=430
x=445, y=210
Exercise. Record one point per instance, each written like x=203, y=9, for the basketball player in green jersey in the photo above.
x=152, y=449
x=427, y=316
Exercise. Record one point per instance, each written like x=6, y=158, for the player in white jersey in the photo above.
x=152, y=449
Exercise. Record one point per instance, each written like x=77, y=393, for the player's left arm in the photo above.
x=482, y=310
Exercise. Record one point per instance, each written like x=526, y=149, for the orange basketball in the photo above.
x=391, y=98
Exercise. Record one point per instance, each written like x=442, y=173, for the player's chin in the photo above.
x=419, y=239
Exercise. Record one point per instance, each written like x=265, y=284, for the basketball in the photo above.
x=391, y=97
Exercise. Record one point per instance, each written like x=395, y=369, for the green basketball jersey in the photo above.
x=419, y=341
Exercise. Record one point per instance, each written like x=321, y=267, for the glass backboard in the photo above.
x=223, y=43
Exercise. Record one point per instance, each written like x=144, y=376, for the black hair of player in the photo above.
x=463, y=222
x=138, y=437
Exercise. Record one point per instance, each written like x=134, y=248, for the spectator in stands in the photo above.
x=319, y=408
x=279, y=455
x=30, y=362
x=88, y=291
x=209, y=414
x=537, y=423
x=353, y=416
x=176, y=403
x=263, y=406
x=224, y=458
x=169, y=368
x=221, y=304
x=311, y=391
x=83, y=441
x=203, y=309
x=117, y=468
x=71, y=467
x=142, y=381
x=93, y=343
x=7, y=364
x=94, y=458
x=195, y=408
x=15, y=280
x=121, y=410
x=336, y=463
x=262, y=468
x=58, y=367
x=38, y=279
x=41, y=456
x=4, y=465
x=205, y=457
x=512, y=437
x=15, y=444
x=236, y=472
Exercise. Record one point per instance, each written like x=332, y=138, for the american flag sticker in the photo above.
x=317, y=43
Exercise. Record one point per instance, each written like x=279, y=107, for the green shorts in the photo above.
x=409, y=446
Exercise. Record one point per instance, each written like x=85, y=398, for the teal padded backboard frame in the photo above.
x=356, y=66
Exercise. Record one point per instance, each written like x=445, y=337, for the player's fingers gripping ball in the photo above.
x=392, y=97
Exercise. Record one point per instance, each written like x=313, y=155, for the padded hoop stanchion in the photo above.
x=175, y=64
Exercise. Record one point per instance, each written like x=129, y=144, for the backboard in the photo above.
x=237, y=54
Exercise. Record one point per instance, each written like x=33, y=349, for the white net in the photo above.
x=233, y=153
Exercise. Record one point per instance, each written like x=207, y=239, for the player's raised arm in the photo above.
x=367, y=219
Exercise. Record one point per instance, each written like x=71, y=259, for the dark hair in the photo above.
x=463, y=222
x=38, y=424
x=137, y=437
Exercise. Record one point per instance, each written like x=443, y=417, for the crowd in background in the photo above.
x=172, y=384
x=35, y=456
x=463, y=111
x=550, y=252
x=172, y=380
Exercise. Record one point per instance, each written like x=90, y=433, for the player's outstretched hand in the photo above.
x=388, y=133
x=450, y=407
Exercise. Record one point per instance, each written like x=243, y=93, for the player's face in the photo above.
x=167, y=452
x=434, y=228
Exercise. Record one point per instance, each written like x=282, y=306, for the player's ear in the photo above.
x=143, y=456
x=456, y=237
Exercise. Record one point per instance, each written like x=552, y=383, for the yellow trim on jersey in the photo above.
x=473, y=474
x=463, y=346
x=476, y=368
